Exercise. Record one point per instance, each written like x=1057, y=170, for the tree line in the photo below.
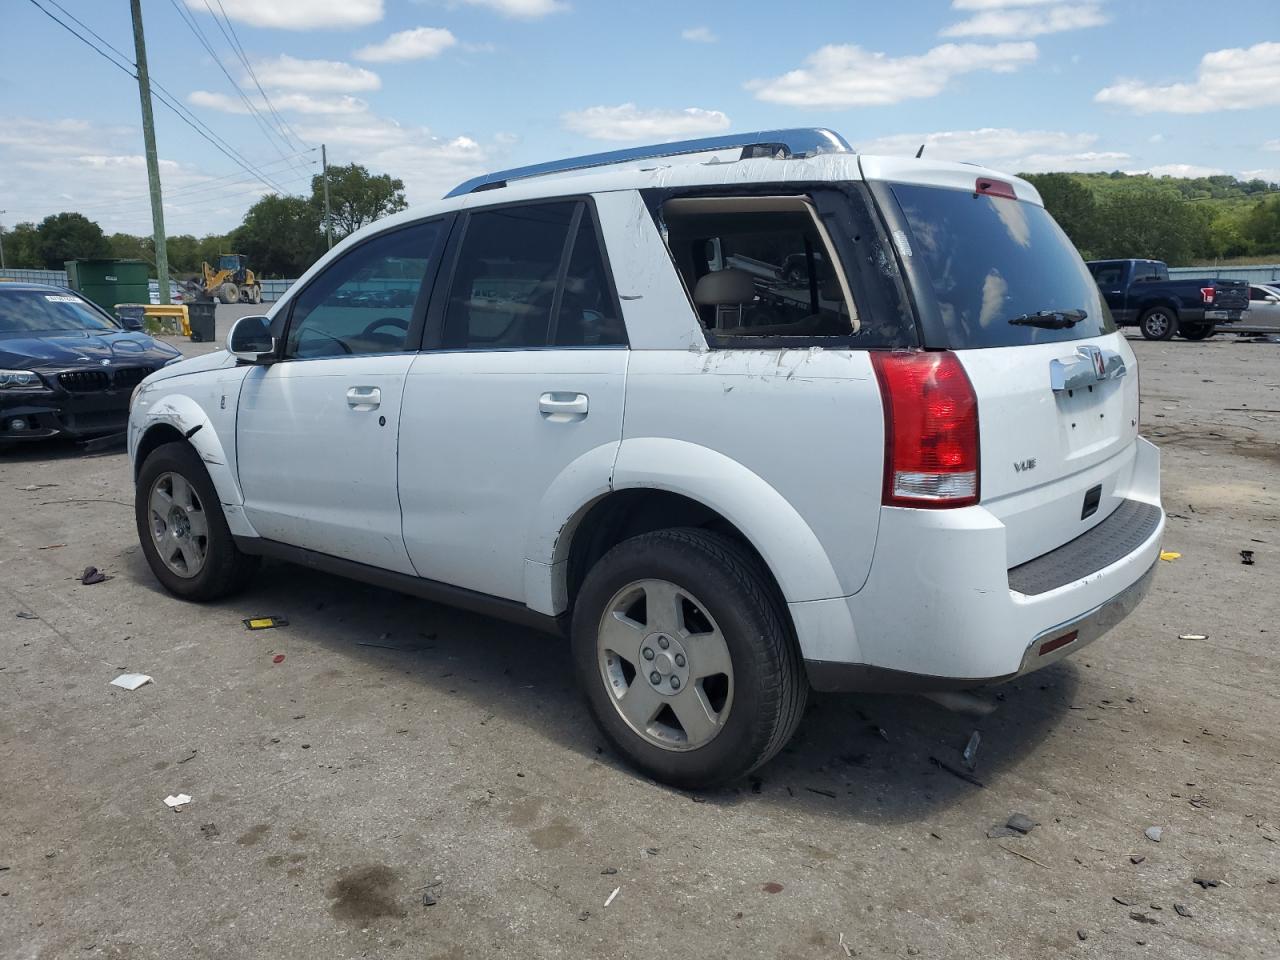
x=1183, y=221
x=281, y=235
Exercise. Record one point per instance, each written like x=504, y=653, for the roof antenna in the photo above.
x=920, y=152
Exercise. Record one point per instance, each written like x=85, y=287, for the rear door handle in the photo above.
x=364, y=399
x=563, y=406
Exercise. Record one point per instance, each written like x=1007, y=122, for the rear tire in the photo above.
x=728, y=646
x=230, y=293
x=1198, y=331
x=1159, y=323
x=201, y=567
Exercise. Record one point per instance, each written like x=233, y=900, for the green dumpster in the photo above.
x=108, y=282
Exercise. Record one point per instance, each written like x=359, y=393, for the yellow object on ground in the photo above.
x=1169, y=555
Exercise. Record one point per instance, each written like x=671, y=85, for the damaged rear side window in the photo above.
x=769, y=271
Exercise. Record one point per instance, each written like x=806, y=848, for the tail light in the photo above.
x=931, y=430
x=1206, y=294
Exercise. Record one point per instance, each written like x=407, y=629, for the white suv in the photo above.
x=745, y=416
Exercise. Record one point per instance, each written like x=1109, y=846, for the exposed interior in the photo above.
x=759, y=267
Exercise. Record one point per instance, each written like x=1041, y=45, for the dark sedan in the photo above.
x=67, y=368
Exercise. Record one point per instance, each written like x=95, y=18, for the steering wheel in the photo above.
x=385, y=322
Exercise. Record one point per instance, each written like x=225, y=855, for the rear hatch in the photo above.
x=997, y=281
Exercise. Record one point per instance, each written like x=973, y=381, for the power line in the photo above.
x=130, y=69
x=274, y=137
x=213, y=183
x=234, y=40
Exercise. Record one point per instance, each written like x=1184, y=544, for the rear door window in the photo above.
x=982, y=265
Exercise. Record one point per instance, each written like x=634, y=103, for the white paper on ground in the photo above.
x=131, y=681
x=177, y=801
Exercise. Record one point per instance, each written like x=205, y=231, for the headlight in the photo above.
x=20, y=380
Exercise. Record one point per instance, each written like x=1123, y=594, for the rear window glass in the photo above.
x=989, y=260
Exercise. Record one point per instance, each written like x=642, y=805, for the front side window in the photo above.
x=1109, y=275
x=363, y=303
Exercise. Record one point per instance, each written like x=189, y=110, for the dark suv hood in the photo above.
x=63, y=350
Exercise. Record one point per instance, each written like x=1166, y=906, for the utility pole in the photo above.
x=328, y=216
x=2, y=213
x=149, y=140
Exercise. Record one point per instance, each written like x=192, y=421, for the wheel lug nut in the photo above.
x=663, y=642
x=675, y=683
x=648, y=653
x=655, y=678
x=679, y=659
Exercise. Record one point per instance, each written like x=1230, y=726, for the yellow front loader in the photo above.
x=232, y=282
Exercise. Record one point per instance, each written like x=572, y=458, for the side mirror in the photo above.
x=250, y=339
x=1273, y=299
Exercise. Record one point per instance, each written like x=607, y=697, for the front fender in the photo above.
x=189, y=418
x=770, y=523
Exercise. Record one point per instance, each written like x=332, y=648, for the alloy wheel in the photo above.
x=179, y=525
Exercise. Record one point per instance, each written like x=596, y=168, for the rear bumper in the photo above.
x=940, y=610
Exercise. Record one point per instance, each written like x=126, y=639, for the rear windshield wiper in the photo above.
x=1049, y=319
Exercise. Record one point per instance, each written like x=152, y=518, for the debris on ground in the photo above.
x=1022, y=856
x=844, y=946
x=1181, y=910
x=92, y=575
x=821, y=792
x=189, y=756
x=970, y=755
x=23, y=615
x=177, y=802
x=1205, y=883
x=616, y=891
x=209, y=830
x=1246, y=557
x=1124, y=901
x=966, y=777
x=278, y=658
x=772, y=887
x=1021, y=822
x=131, y=681
x=1001, y=830
x=584, y=916
x=264, y=623
x=1192, y=636
x=1142, y=917
x=1135, y=859
x=1082, y=934
x=1154, y=834
x=429, y=899
x=1169, y=555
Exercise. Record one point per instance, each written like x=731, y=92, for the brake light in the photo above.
x=994, y=188
x=1206, y=293
x=930, y=428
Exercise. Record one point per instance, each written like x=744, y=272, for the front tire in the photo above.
x=681, y=644
x=1159, y=323
x=230, y=293
x=182, y=529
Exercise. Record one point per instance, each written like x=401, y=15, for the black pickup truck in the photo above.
x=1140, y=292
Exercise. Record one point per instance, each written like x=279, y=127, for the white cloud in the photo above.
x=1178, y=170
x=998, y=4
x=420, y=43
x=1269, y=174
x=299, y=14
x=1029, y=151
x=1271, y=145
x=698, y=35
x=282, y=101
x=1030, y=22
x=629, y=122
x=1156, y=138
x=523, y=9
x=849, y=76
x=290, y=73
x=1234, y=79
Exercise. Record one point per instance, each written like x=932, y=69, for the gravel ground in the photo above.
x=403, y=749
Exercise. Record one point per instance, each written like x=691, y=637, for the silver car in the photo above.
x=1264, y=304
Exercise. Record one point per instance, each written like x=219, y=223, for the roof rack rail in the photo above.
x=797, y=142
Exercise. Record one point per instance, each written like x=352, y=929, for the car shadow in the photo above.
x=58, y=448
x=875, y=759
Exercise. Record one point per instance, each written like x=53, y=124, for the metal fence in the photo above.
x=56, y=278
x=1261, y=273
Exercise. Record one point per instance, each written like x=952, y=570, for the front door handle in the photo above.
x=364, y=399
x=563, y=406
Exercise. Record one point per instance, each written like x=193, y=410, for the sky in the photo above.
x=436, y=91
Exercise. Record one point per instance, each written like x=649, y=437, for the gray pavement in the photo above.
x=402, y=748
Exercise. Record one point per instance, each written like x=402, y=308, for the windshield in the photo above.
x=989, y=260
x=48, y=311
